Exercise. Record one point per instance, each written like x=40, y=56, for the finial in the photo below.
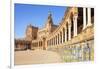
x=49, y=13
x=30, y=25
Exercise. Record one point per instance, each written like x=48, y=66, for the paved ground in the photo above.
x=36, y=57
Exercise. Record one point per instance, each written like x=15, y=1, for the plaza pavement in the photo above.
x=36, y=57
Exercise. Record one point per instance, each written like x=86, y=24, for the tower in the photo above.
x=31, y=32
x=49, y=23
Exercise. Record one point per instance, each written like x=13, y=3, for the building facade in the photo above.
x=75, y=33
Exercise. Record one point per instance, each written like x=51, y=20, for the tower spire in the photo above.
x=49, y=22
x=49, y=15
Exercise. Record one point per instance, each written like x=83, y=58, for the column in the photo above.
x=89, y=17
x=65, y=33
x=55, y=40
x=62, y=36
x=48, y=42
x=84, y=18
x=41, y=43
x=52, y=41
x=69, y=32
x=69, y=29
x=38, y=44
x=75, y=24
x=59, y=38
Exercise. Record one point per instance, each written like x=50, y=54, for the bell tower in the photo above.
x=49, y=23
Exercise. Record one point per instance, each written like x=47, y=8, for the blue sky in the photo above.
x=25, y=14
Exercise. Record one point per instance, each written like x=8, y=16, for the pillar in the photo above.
x=62, y=35
x=52, y=41
x=69, y=32
x=89, y=17
x=56, y=39
x=84, y=18
x=59, y=38
x=65, y=33
x=75, y=24
x=69, y=29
